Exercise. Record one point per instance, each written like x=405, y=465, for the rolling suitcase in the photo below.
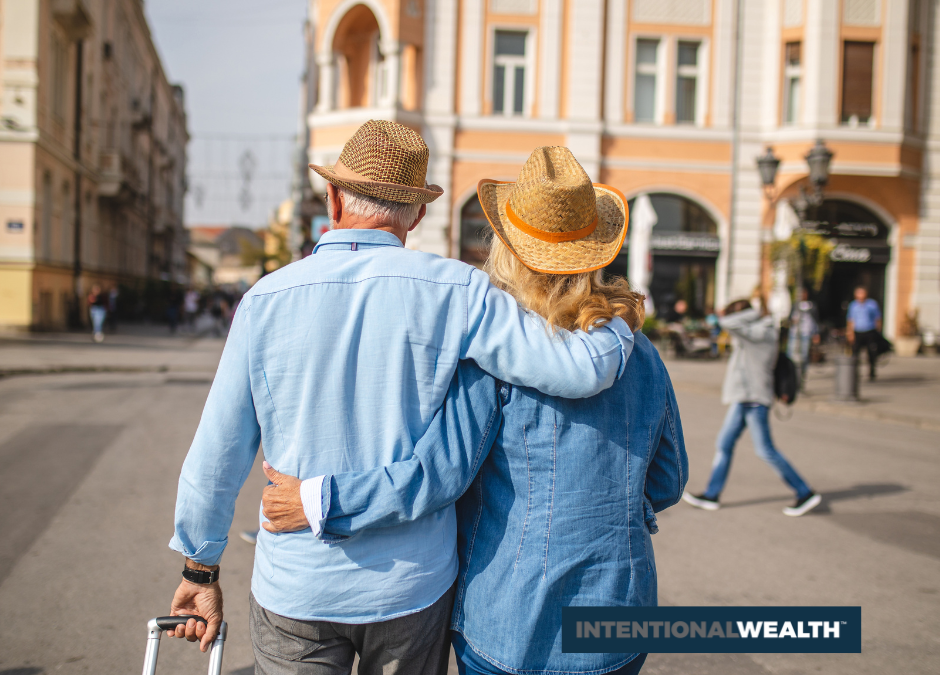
x=155, y=628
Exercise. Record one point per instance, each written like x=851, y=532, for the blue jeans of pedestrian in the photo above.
x=756, y=418
x=98, y=315
x=469, y=663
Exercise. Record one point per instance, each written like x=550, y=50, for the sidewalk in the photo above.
x=134, y=348
x=907, y=390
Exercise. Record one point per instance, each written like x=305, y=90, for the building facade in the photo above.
x=92, y=158
x=673, y=99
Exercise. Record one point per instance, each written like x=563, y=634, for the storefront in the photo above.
x=685, y=247
x=860, y=257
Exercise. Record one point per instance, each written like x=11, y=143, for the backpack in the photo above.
x=786, y=379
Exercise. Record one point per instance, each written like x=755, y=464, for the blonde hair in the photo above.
x=566, y=301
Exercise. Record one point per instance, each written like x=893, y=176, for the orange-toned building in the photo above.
x=92, y=158
x=672, y=99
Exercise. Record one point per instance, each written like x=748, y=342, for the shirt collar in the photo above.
x=370, y=237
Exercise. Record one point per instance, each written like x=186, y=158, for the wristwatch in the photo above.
x=204, y=577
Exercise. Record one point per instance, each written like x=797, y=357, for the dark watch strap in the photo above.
x=200, y=576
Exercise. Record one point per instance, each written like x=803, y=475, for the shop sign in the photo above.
x=685, y=242
x=846, y=253
x=867, y=230
x=857, y=252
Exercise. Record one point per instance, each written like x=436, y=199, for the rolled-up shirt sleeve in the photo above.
x=517, y=347
x=221, y=454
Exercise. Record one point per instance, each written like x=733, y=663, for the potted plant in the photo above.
x=909, y=340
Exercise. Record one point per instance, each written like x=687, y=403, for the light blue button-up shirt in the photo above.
x=338, y=363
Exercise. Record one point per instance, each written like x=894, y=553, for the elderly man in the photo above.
x=338, y=363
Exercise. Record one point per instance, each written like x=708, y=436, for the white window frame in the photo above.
x=658, y=70
x=699, y=71
x=790, y=73
x=511, y=62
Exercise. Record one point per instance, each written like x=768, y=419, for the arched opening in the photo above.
x=684, y=245
x=359, y=60
x=474, y=232
x=860, y=257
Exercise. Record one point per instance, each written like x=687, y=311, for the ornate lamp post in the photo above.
x=818, y=159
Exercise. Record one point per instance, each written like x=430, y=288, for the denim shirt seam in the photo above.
x=476, y=459
x=551, y=503
x=528, y=508
x=675, y=445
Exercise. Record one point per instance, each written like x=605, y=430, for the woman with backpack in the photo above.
x=749, y=390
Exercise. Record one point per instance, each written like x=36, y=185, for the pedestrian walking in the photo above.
x=574, y=462
x=98, y=310
x=217, y=309
x=113, y=308
x=341, y=361
x=804, y=332
x=191, y=308
x=173, y=310
x=749, y=392
x=863, y=327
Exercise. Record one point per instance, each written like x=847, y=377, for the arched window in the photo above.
x=474, y=233
x=361, y=78
x=860, y=256
x=675, y=213
x=684, y=244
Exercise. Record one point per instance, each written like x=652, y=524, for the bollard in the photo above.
x=846, y=378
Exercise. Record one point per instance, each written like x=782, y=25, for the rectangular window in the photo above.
x=509, y=66
x=644, y=87
x=59, y=76
x=792, y=78
x=687, y=82
x=858, y=60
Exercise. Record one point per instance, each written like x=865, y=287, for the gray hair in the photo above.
x=386, y=212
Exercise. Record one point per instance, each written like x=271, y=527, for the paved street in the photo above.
x=92, y=438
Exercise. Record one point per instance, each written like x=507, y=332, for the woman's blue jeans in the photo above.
x=98, y=315
x=468, y=663
x=756, y=418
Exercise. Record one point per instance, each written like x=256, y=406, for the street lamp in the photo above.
x=818, y=159
x=767, y=165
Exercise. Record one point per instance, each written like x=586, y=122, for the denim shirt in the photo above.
x=559, y=513
x=339, y=362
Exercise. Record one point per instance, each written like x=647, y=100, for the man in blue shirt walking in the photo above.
x=338, y=363
x=863, y=327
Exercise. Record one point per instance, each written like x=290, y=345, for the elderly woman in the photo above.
x=560, y=494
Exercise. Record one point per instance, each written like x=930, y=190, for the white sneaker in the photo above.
x=805, y=505
x=701, y=501
x=99, y=337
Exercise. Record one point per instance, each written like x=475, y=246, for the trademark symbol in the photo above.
x=844, y=623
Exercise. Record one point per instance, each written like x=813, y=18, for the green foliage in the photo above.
x=808, y=258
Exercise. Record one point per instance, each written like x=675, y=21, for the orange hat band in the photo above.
x=550, y=237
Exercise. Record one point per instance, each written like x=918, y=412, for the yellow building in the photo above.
x=92, y=157
x=644, y=93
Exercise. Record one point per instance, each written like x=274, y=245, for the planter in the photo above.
x=907, y=345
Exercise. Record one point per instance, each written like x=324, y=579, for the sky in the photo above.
x=240, y=63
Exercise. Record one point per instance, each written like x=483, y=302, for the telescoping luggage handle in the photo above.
x=155, y=628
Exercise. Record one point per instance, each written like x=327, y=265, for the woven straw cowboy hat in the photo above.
x=384, y=160
x=553, y=218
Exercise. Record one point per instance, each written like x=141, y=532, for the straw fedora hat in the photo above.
x=384, y=160
x=553, y=219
